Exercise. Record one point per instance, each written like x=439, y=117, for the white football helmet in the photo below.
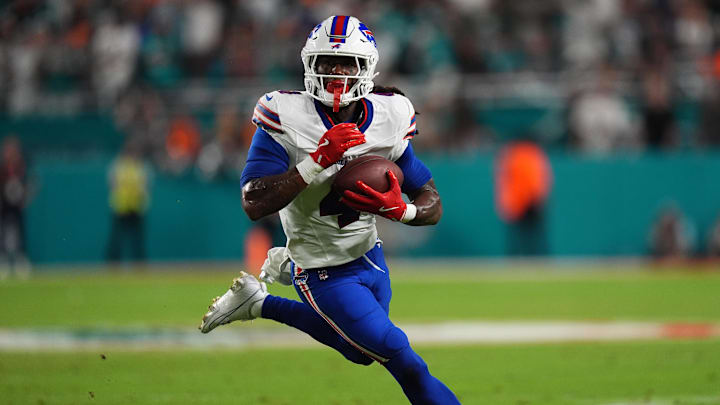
x=340, y=36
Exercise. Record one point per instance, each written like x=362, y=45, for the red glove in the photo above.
x=389, y=204
x=335, y=142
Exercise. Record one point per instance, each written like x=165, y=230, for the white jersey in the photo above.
x=320, y=231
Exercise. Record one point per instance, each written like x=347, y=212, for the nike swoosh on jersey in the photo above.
x=268, y=98
x=383, y=209
x=325, y=143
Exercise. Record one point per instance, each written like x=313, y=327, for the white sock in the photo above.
x=256, y=308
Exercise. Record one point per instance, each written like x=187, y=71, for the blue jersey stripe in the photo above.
x=323, y=115
x=364, y=125
x=268, y=113
x=258, y=120
x=368, y=115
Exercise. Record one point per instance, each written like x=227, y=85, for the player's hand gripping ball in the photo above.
x=372, y=184
x=335, y=142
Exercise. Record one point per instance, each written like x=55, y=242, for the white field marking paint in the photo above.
x=248, y=336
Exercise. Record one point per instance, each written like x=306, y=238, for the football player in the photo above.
x=333, y=251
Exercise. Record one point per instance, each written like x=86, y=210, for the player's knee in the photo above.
x=396, y=341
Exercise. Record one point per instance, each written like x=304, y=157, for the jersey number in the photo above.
x=331, y=205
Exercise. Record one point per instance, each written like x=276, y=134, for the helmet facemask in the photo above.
x=346, y=89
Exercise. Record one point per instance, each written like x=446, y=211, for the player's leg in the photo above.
x=247, y=298
x=354, y=313
x=353, y=321
x=354, y=302
x=300, y=316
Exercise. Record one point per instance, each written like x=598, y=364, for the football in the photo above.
x=371, y=169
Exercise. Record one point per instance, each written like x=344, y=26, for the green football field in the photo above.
x=657, y=371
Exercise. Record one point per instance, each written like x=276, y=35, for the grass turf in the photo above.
x=167, y=299
x=658, y=372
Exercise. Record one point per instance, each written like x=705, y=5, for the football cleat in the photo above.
x=236, y=304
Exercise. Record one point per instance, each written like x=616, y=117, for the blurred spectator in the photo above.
x=24, y=55
x=523, y=180
x=627, y=35
x=115, y=48
x=201, y=34
x=65, y=62
x=585, y=44
x=542, y=49
x=182, y=143
x=600, y=121
x=239, y=52
x=693, y=30
x=657, y=109
x=143, y=116
x=672, y=236
x=709, y=128
x=14, y=197
x=225, y=154
x=129, y=199
x=160, y=48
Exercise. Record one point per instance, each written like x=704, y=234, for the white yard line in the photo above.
x=420, y=334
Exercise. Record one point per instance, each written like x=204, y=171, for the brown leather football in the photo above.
x=371, y=169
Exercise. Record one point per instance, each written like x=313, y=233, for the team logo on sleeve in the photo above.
x=323, y=275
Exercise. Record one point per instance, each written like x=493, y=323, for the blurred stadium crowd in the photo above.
x=609, y=74
x=179, y=78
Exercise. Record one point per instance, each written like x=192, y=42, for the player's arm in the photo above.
x=425, y=207
x=268, y=185
x=266, y=195
x=427, y=204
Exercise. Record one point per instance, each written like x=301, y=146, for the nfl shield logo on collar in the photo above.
x=323, y=275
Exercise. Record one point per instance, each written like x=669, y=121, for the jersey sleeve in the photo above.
x=266, y=157
x=411, y=129
x=266, y=115
x=405, y=125
x=415, y=172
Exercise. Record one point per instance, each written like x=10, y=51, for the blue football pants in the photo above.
x=346, y=307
